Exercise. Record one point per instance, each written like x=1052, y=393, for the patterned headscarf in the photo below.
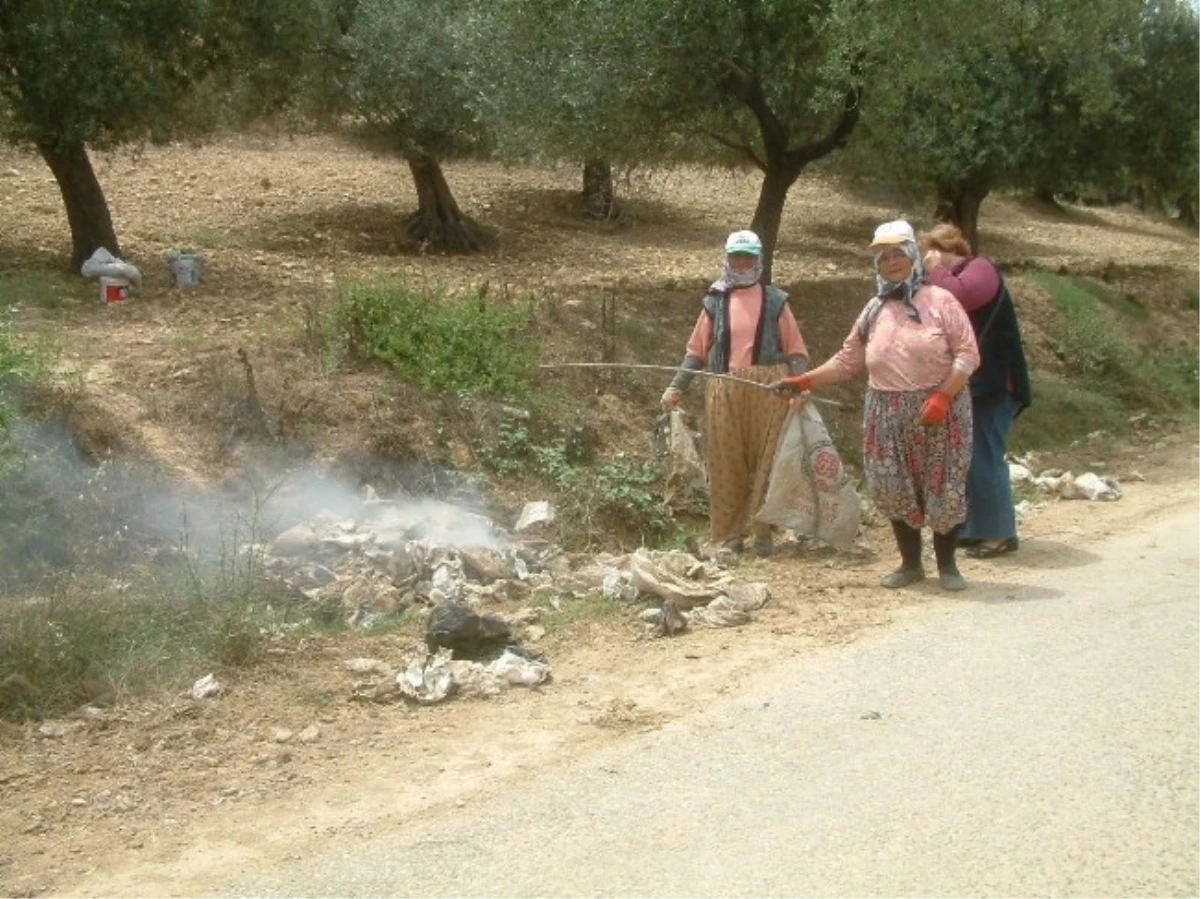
x=895, y=290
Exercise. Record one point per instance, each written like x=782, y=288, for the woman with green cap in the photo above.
x=745, y=328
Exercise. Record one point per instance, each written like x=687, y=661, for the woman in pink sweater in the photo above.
x=918, y=350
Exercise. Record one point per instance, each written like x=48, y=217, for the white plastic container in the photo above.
x=185, y=268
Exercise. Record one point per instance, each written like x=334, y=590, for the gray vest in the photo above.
x=768, y=348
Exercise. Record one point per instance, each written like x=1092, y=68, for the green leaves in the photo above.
x=464, y=343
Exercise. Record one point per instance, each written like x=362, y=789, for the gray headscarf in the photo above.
x=731, y=278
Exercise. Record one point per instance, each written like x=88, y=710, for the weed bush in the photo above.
x=20, y=370
x=620, y=493
x=465, y=343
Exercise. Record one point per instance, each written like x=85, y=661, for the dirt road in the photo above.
x=1036, y=738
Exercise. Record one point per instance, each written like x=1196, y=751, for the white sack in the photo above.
x=809, y=490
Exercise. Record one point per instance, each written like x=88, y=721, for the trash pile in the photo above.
x=1064, y=484
x=449, y=565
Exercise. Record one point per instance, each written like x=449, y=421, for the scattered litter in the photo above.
x=454, y=625
x=533, y=514
x=206, y=687
x=651, y=574
x=1089, y=486
x=1019, y=474
x=431, y=678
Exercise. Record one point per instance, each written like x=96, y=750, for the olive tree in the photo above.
x=85, y=75
x=407, y=88
x=1012, y=93
x=1159, y=87
x=772, y=84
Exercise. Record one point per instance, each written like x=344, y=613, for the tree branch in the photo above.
x=745, y=86
x=743, y=148
x=806, y=153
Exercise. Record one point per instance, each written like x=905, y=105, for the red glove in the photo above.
x=935, y=409
x=794, y=384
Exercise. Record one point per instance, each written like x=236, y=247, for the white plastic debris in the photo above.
x=1093, y=487
x=514, y=669
x=1089, y=486
x=1019, y=474
x=427, y=679
x=206, y=687
x=650, y=574
x=103, y=264
x=534, y=513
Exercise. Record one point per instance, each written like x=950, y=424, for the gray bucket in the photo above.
x=185, y=268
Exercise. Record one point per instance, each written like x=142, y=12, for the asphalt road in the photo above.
x=1040, y=740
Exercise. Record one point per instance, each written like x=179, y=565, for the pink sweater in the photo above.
x=901, y=354
x=973, y=282
x=745, y=307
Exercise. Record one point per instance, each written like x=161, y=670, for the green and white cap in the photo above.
x=743, y=242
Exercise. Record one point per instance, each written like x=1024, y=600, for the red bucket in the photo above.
x=113, y=290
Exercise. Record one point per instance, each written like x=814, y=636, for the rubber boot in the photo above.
x=908, y=539
x=764, y=541
x=944, y=547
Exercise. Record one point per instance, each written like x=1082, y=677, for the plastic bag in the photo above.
x=102, y=263
x=809, y=490
x=687, y=480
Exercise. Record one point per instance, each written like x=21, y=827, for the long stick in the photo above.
x=672, y=368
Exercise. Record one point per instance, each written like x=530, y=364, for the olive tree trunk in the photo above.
x=438, y=224
x=87, y=209
x=599, y=195
x=958, y=202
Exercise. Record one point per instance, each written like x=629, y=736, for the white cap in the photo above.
x=743, y=242
x=895, y=232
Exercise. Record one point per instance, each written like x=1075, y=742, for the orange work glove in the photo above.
x=794, y=384
x=935, y=409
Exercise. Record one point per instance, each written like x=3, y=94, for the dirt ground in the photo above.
x=141, y=798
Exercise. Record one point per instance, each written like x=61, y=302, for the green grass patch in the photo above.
x=572, y=612
x=464, y=343
x=1107, y=375
x=211, y=238
x=48, y=291
x=88, y=637
x=1063, y=411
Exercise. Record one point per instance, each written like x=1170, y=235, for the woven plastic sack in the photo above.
x=809, y=490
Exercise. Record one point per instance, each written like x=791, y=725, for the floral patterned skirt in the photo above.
x=917, y=473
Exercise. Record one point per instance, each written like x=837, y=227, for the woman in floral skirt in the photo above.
x=918, y=349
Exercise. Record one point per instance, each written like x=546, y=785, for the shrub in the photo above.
x=465, y=343
x=620, y=494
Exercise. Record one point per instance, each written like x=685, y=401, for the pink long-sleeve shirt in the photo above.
x=745, y=308
x=974, y=283
x=901, y=354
